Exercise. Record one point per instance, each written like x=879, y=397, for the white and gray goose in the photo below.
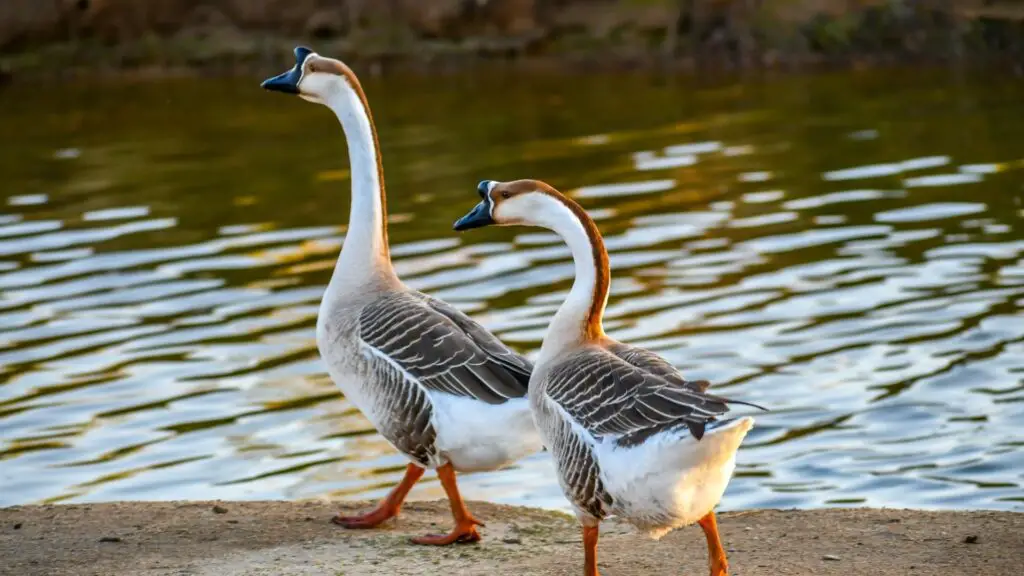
x=438, y=386
x=630, y=436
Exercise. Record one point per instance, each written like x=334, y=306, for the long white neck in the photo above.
x=578, y=320
x=365, y=251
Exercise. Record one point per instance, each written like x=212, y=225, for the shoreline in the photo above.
x=540, y=65
x=181, y=37
x=217, y=538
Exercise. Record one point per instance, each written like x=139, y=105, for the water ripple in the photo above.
x=858, y=271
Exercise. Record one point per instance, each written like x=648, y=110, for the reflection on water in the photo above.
x=847, y=250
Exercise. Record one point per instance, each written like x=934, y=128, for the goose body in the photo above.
x=440, y=388
x=629, y=435
x=618, y=432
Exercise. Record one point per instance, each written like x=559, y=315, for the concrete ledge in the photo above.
x=295, y=538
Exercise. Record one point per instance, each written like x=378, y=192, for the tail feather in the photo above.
x=722, y=438
x=696, y=428
x=741, y=402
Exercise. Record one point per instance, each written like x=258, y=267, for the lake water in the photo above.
x=847, y=250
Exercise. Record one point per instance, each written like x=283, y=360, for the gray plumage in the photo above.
x=578, y=472
x=442, y=348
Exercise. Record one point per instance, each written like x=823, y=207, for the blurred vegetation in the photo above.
x=54, y=36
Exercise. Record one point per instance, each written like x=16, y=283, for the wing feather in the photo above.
x=442, y=349
x=629, y=394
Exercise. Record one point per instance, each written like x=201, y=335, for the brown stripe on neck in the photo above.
x=345, y=72
x=602, y=270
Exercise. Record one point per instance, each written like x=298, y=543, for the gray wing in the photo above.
x=629, y=394
x=494, y=348
x=650, y=362
x=442, y=349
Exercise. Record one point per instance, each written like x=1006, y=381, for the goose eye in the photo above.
x=505, y=194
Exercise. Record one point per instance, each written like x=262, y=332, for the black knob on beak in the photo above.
x=483, y=188
x=289, y=81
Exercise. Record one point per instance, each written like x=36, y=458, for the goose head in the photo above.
x=520, y=202
x=535, y=203
x=314, y=77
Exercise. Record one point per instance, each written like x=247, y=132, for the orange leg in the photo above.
x=590, y=551
x=388, y=507
x=465, y=524
x=716, y=555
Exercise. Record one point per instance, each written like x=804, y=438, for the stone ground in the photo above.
x=295, y=538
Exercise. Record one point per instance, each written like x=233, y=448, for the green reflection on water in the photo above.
x=843, y=248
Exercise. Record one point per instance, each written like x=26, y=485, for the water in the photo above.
x=847, y=250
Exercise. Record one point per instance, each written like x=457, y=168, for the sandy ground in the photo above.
x=295, y=538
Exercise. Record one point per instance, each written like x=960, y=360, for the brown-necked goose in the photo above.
x=439, y=387
x=630, y=436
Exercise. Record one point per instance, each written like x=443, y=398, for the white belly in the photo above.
x=474, y=436
x=671, y=480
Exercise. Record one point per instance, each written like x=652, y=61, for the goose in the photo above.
x=440, y=388
x=629, y=435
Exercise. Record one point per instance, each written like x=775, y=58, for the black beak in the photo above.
x=289, y=81
x=479, y=216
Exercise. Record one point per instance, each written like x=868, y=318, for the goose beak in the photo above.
x=478, y=217
x=289, y=81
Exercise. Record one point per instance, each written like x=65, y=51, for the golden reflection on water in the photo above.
x=846, y=250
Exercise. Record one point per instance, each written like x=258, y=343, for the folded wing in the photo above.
x=439, y=348
x=629, y=394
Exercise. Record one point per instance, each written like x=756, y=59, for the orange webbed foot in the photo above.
x=463, y=533
x=371, y=519
x=388, y=508
x=465, y=525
